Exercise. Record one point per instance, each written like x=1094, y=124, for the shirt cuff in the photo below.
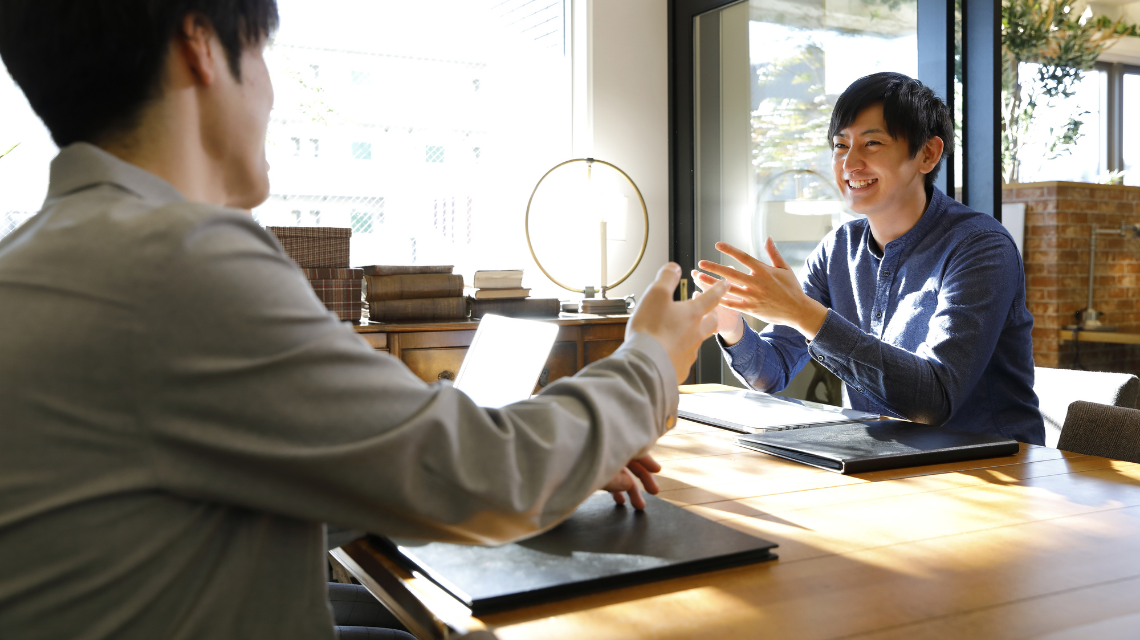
x=650, y=347
x=834, y=344
x=741, y=355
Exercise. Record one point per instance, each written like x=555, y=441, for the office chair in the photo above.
x=1058, y=388
x=1100, y=430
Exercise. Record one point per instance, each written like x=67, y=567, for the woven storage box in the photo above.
x=315, y=246
x=342, y=297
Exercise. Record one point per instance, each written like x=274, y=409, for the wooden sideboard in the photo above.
x=435, y=350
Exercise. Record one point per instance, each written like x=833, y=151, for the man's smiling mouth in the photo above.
x=861, y=184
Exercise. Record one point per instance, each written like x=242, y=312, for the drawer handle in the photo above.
x=544, y=379
x=447, y=375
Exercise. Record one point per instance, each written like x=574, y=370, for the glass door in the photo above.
x=766, y=74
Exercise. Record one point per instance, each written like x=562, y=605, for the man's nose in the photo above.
x=852, y=160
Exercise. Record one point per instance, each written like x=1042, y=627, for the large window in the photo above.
x=423, y=126
x=767, y=76
x=1130, y=133
x=24, y=171
x=1045, y=156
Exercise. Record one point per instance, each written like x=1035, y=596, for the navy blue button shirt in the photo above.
x=933, y=328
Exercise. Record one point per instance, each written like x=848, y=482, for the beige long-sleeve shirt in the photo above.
x=178, y=413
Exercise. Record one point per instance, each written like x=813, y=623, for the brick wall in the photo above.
x=1058, y=218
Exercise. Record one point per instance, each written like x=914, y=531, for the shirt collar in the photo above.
x=82, y=165
x=929, y=219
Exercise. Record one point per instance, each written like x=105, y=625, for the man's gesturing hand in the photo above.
x=772, y=294
x=680, y=327
x=643, y=468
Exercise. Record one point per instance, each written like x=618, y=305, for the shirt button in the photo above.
x=879, y=314
x=886, y=273
x=820, y=358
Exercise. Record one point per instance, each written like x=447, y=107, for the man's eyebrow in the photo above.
x=840, y=134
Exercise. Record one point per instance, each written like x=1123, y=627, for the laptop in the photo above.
x=756, y=412
x=505, y=359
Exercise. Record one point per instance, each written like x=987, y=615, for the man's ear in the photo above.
x=930, y=154
x=199, y=48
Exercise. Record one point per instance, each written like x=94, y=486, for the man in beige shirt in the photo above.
x=178, y=412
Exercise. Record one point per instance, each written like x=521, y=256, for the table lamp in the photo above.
x=589, y=199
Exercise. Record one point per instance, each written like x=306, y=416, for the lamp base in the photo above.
x=1089, y=320
x=604, y=306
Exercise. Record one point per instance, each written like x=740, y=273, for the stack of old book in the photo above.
x=413, y=292
x=501, y=293
x=322, y=254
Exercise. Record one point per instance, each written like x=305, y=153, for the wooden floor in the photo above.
x=1045, y=543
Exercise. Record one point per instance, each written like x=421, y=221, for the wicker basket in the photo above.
x=315, y=246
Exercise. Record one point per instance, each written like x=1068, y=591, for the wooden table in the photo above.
x=1044, y=543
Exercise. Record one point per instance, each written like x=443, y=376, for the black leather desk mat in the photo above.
x=602, y=546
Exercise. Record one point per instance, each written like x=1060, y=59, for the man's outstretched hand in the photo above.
x=772, y=294
x=680, y=327
x=624, y=481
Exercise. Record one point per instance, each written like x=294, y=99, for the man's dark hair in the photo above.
x=911, y=110
x=88, y=67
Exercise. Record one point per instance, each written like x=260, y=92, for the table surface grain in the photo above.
x=1044, y=543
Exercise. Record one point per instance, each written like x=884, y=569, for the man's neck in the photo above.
x=172, y=152
x=891, y=225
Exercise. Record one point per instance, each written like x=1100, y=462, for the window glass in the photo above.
x=24, y=170
x=1043, y=158
x=769, y=73
x=800, y=63
x=423, y=126
x=1131, y=143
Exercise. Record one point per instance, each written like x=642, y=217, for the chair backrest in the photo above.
x=1100, y=430
x=1058, y=388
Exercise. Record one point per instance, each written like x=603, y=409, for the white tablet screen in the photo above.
x=505, y=360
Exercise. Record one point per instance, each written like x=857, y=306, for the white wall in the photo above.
x=623, y=62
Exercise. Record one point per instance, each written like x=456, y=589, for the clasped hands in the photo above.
x=771, y=293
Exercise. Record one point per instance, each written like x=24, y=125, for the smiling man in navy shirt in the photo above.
x=918, y=307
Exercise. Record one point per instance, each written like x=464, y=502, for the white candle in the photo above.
x=604, y=279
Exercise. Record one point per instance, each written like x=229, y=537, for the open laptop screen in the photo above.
x=505, y=360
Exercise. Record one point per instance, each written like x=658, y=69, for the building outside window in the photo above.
x=362, y=150
x=410, y=87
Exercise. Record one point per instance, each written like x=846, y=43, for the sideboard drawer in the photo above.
x=563, y=361
x=600, y=349
x=432, y=365
x=378, y=341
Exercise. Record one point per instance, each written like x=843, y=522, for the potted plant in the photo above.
x=1065, y=45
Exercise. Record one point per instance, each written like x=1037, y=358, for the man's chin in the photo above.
x=250, y=200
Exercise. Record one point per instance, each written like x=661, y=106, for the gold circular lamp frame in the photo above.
x=644, y=214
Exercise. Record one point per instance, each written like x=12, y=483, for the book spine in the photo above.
x=517, y=308
x=512, y=282
x=418, y=309
x=409, y=287
x=405, y=270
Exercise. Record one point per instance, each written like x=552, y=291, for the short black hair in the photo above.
x=88, y=67
x=911, y=110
